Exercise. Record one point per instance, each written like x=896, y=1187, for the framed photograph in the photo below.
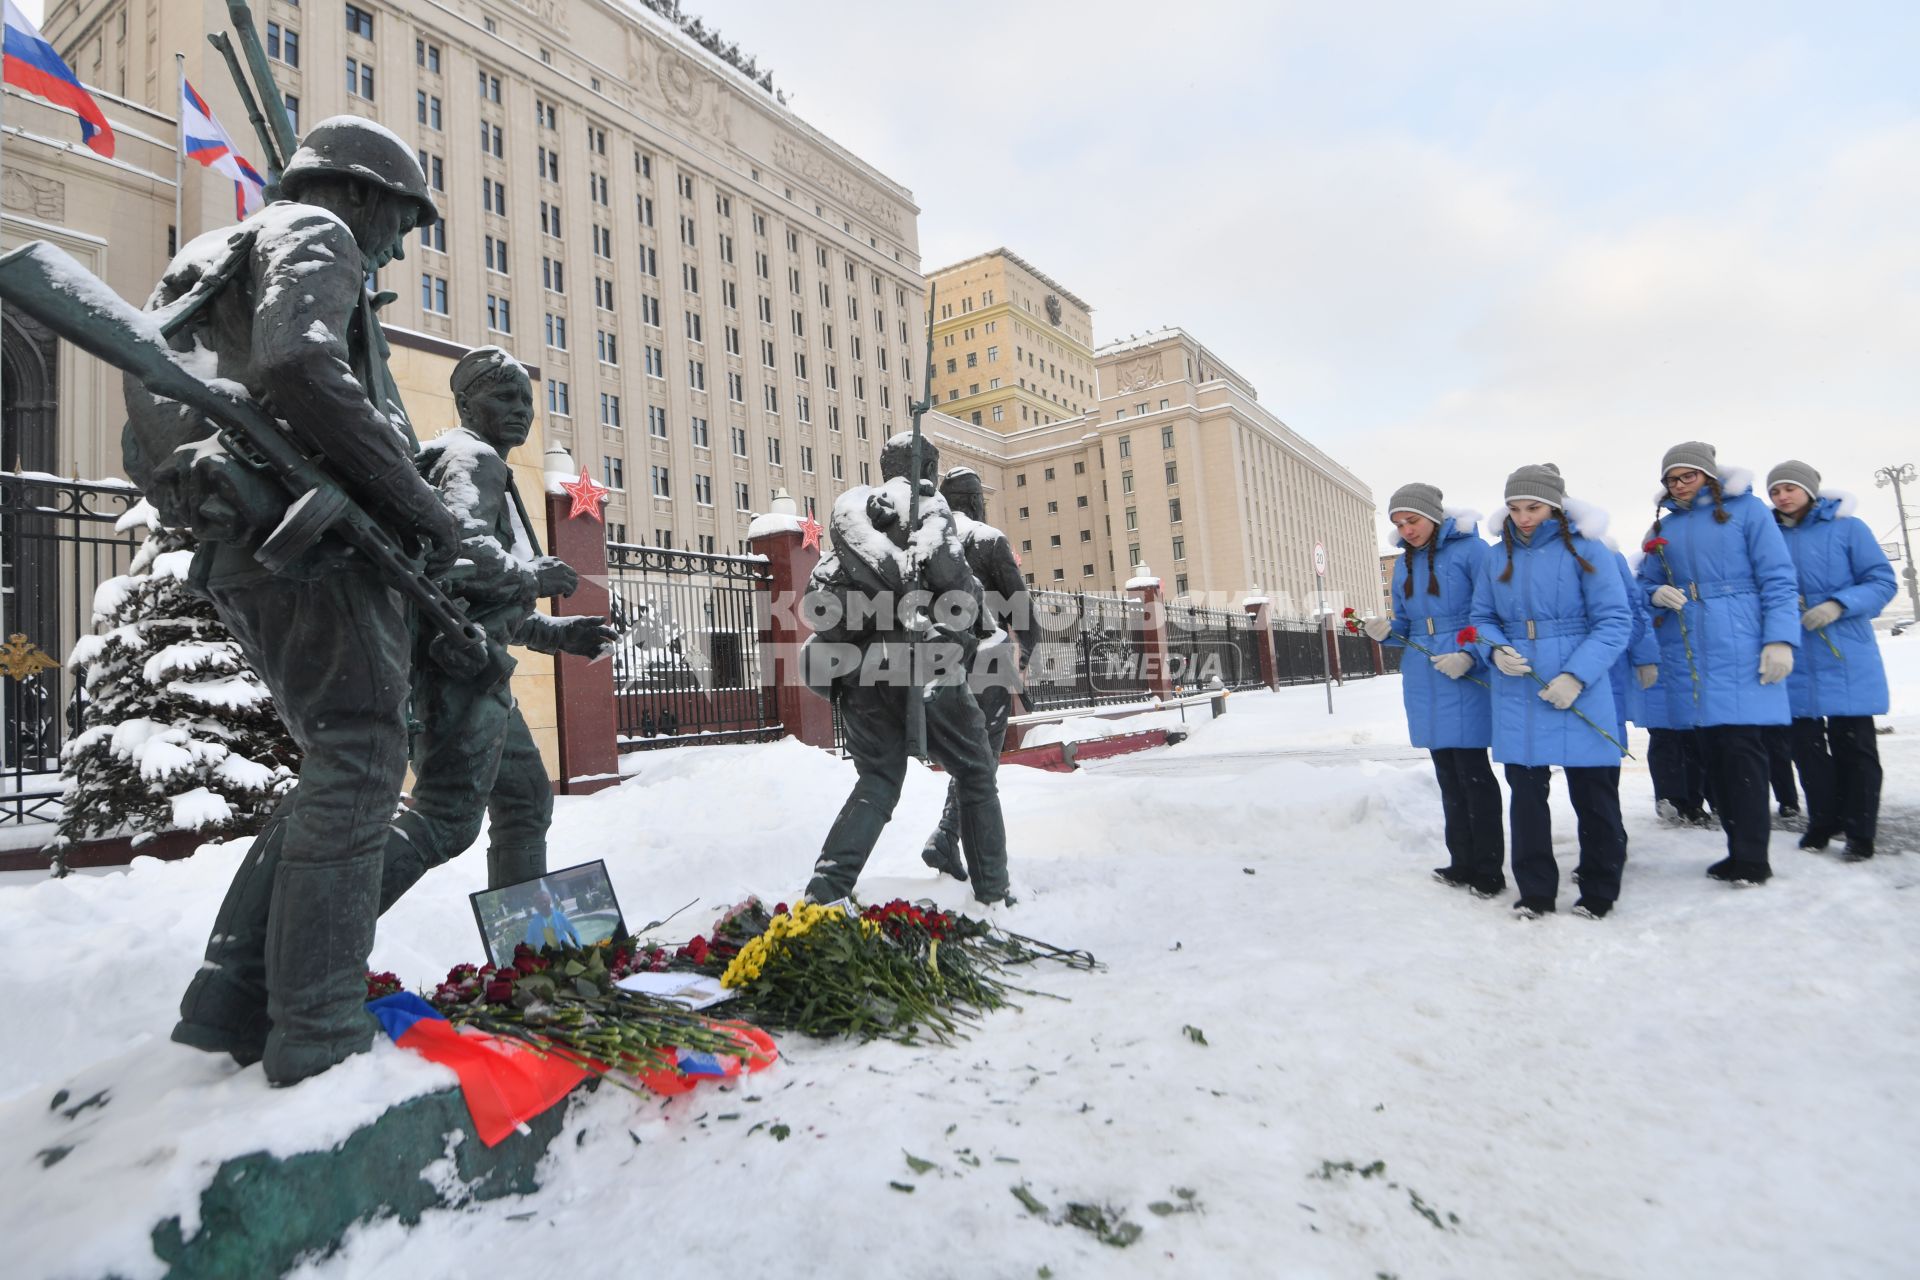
x=574, y=906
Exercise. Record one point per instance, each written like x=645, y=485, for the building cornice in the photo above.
x=1024, y=265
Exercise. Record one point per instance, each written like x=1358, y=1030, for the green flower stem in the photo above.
x=1624, y=753
x=1686, y=639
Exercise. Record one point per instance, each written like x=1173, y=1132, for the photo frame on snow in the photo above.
x=573, y=906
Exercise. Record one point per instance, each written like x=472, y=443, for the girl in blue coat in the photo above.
x=1555, y=611
x=1835, y=692
x=1446, y=688
x=1718, y=567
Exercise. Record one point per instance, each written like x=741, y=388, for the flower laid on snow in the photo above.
x=382, y=984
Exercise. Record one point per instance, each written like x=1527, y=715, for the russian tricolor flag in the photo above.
x=206, y=142
x=31, y=65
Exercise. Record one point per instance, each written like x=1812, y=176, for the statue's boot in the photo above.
x=319, y=934
x=515, y=864
x=983, y=838
x=225, y=1007
x=406, y=859
x=942, y=851
x=848, y=845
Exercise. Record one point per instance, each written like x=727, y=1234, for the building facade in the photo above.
x=1012, y=347
x=723, y=301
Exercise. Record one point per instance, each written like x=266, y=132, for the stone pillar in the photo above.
x=1379, y=659
x=1154, y=657
x=1331, y=638
x=1260, y=614
x=583, y=690
x=783, y=539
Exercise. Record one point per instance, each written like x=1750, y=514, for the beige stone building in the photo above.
x=1178, y=465
x=722, y=300
x=1012, y=347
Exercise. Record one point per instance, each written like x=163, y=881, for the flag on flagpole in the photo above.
x=202, y=138
x=31, y=65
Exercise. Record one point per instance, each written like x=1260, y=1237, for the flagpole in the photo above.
x=180, y=154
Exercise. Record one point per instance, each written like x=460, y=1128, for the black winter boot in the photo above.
x=1592, y=908
x=1743, y=873
x=1815, y=841
x=1857, y=850
x=1533, y=908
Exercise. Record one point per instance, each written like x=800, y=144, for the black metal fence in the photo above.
x=1208, y=644
x=58, y=543
x=687, y=668
x=1090, y=652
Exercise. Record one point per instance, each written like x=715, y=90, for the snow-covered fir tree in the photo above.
x=178, y=733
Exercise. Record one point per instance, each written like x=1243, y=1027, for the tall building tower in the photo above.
x=722, y=301
x=1012, y=347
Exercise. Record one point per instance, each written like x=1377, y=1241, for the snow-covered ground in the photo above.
x=1710, y=1082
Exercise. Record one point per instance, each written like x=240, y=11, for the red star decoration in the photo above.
x=587, y=496
x=809, y=533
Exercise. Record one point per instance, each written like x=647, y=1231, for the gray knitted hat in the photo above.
x=1793, y=471
x=1694, y=454
x=1421, y=499
x=1538, y=482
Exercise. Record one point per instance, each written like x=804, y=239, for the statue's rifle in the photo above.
x=42, y=280
x=273, y=125
x=916, y=695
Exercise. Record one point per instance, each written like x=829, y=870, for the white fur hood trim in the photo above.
x=1849, y=503
x=1734, y=482
x=1588, y=520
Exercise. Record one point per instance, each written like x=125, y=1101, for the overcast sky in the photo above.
x=1441, y=240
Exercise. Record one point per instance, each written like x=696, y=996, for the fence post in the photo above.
x=783, y=540
x=1145, y=588
x=1260, y=614
x=583, y=690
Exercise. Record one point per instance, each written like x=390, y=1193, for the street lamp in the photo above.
x=1897, y=476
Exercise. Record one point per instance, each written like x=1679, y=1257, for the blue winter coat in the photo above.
x=1564, y=619
x=1441, y=713
x=1642, y=650
x=1838, y=559
x=1741, y=594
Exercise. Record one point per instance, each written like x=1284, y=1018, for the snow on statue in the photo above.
x=178, y=732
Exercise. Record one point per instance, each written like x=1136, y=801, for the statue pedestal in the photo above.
x=167, y=1161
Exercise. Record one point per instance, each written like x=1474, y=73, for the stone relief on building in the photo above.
x=665, y=77
x=817, y=169
x=35, y=196
x=550, y=15
x=1139, y=373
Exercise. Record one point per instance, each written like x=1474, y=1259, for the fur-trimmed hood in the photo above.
x=1460, y=522
x=1734, y=481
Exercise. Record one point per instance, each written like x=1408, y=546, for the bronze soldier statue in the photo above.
x=997, y=667
x=278, y=305
x=859, y=654
x=472, y=751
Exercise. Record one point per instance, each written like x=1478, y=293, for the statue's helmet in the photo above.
x=355, y=147
x=961, y=488
x=896, y=457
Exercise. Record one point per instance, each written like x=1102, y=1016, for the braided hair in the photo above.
x=1509, y=531
x=1433, y=555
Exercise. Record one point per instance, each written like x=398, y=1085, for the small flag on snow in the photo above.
x=29, y=64
x=205, y=141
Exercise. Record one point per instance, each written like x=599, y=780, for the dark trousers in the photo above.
x=290, y=942
x=1780, y=764
x=1595, y=792
x=875, y=719
x=996, y=704
x=1470, y=799
x=1738, y=768
x=1839, y=760
x=473, y=755
x=1679, y=774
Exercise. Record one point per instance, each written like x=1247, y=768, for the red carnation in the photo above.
x=780, y=909
x=695, y=950
x=1353, y=627
x=500, y=991
x=1653, y=545
x=529, y=963
x=1468, y=635
x=1347, y=612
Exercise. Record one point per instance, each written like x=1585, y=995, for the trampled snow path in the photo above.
x=1709, y=1082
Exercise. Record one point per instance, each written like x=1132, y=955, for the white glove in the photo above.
x=1561, y=691
x=1511, y=661
x=1378, y=628
x=1453, y=665
x=1648, y=676
x=1776, y=662
x=1669, y=598
x=1822, y=615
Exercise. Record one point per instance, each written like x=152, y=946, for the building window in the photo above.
x=1126, y=446
x=559, y=398
x=739, y=442
x=1173, y=473
x=360, y=78
x=1049, y=473
x=1173, y=510
x=556, y=331
x=496, y=253
x=697, y=374
x=1080, y=469
x=493, y=197
x=1020, y=480
x=553, y=274
x=1179, y=548
x=657, y=421
x=499, y=314
x=359, y=22
x=1059, y=575
x=612, y=472
x=703, y=490
x=433, y=294
x=656, y=362
x=1053, y=540
x=701, y=437
x=489, y=86
x=662, y=485
x=1023, y=513
x=427, y=108
x=1166, y=433
x=545, y=114
x=773, y=450
x=609, y=410
x=283, y=44
x=427, y=56
x=1086, y=535
x=742, y=496
x=550, y=219
x=1126, y=482
x=1133, y=519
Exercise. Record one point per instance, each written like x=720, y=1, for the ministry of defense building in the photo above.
x=721, y=302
